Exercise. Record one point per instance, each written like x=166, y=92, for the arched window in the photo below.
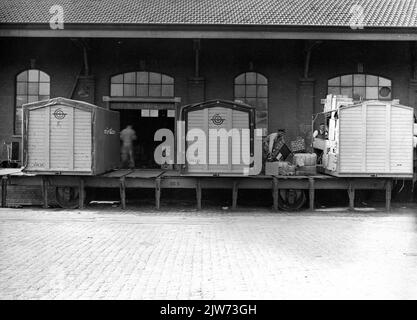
x=361, y=87
x=252, y=88
x=31, y=85
x=142, y=84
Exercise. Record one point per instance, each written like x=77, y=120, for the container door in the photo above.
x=219, y=152
x=377, y=137
x=401, y=150
x=351, y=137
x=70, y=139
x=61, y=133
x=241, y=151
x=198, y=120
x=82, y=140
x=223, y=155
x=37, y=151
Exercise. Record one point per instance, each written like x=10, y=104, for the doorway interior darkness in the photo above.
x=146, y=122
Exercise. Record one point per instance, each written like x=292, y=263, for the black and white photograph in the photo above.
x=208, y=154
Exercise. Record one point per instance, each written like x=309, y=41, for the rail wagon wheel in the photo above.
x=67, y=197
x=291, y=199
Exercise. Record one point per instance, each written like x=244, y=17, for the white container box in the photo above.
x=375, y=139
x=218, y=116
x=63, y=136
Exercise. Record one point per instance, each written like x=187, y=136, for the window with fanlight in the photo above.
x=252, y=88
x=361, y=87
x=142, y=84
x=31, y=85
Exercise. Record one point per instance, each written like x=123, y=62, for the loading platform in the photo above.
x=162, y=179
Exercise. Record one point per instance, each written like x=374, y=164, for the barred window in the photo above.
x=142, y=84
x=31, y=85
x=361, y=87
x=252, y=88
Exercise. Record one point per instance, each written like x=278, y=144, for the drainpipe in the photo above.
x=85, y=57
x=197, y=47
x=85, y=70
x=413, y=53
x=308, y=51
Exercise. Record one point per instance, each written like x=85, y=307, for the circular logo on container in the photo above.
x=59, y=114
x=217, y=119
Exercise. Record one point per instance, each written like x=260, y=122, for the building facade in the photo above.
x=149, y=67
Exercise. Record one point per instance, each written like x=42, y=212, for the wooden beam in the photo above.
x=311, y=190
x=198, y=194
x=4, y=191
x=142, y=99
x=388, y=189
x=45, y=191
x=235, y=194
x=81, y=193
x=275, y=193
x=122, y=187
x=158, y=193
x=210, y=32
x=351, y=194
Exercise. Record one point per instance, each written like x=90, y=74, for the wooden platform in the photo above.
x=160, y=179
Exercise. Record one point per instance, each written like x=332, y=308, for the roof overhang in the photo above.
x=187, y=31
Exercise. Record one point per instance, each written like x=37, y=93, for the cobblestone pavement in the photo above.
x=107, y=254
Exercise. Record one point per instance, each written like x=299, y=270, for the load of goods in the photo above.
x=356, y=139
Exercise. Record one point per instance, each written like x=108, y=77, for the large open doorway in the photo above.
x=146, y=122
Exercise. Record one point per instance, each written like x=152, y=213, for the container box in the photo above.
x=63, y=136
x=216, y=117
x=375, y=138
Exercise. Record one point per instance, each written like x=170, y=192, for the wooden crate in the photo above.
x=63, y=136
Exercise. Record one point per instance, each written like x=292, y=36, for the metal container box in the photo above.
x=63, y=136
x=371, y=139
x=215, y=116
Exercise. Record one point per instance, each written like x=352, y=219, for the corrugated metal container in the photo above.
x=221, y=158
x=63, y=136
x=373, y=138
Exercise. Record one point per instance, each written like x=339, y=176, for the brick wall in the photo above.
x=221, y=60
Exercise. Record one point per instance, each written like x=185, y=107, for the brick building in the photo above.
x=147, y=58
